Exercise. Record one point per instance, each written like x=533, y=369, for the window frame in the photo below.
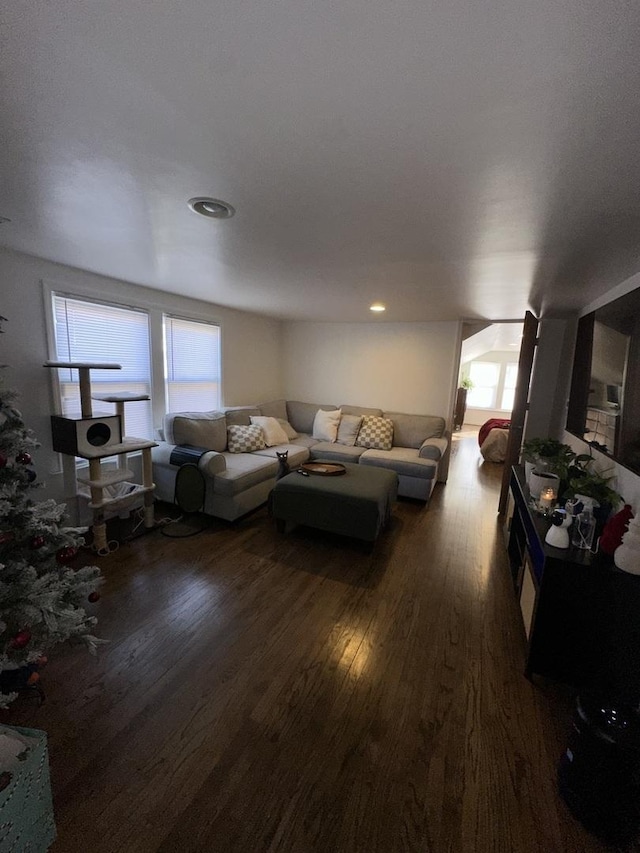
x=504, y=387
x=168, y=315
x=128, y=296
x=50, y=292
x=498, y=389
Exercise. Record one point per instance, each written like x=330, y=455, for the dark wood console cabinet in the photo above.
x=581, y=614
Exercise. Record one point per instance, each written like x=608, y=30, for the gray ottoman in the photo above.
x=357, y=503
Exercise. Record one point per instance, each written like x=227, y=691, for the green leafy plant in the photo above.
x=466, y=383
x=591, y=484
x=574, y=470
x=549, y=454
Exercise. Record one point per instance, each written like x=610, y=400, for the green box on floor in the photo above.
x=26, y=808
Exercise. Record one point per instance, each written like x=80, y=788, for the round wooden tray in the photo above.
x=324, y=469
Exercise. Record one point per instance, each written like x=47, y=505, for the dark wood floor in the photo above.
x=270, y=693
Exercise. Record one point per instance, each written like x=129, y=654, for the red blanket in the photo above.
x=492, y=423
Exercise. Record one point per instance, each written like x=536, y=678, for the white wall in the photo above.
x=407, y=367
x=251, y=345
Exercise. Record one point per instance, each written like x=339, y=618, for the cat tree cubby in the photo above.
x=96, y=438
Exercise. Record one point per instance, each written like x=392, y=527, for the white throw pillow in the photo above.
x=273, y=432
x=325, y=425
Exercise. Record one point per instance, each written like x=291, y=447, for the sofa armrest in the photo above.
x=433, y=448
x=210, y=463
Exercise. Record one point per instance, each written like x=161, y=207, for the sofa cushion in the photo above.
x=244, y=470
x=402, y=460
x=361, y=410
x=325, y=425
x=297, y=455
x=335, y=452
x=302, y=440
x=348, y=429
x=274, y=409
x=200, y=429
x=288, y=429
x=273, y=432
x=375, y=433
x=412, y=430
x=301, y=415
x=244, y=439
x=241, y=415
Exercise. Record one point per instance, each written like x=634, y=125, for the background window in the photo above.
x=91, y=331
x=485, y=376
x=192, y=365
x=509, y=389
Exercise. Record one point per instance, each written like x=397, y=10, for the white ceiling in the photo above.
x=451, y=159
x=498, y=337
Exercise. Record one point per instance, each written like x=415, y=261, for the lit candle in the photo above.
x=547, y=498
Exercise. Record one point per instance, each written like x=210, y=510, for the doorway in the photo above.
x=489, y=365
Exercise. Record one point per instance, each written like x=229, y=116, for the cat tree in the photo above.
x=95, y=438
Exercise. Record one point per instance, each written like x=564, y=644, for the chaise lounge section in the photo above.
x=238, y=482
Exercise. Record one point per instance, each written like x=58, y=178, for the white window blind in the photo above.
x=192, y=365
x=90, y=331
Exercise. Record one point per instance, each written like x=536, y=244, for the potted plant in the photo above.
x=548, y=456
x=591, y=484
x=466, y=384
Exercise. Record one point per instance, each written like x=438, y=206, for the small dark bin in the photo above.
x=599, y=773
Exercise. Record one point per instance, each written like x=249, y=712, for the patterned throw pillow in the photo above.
x=244, y=439
x=375, y=433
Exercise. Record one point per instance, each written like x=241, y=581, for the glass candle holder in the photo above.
x=548, y=498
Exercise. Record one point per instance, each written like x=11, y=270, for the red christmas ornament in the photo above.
x=34, y=678
x=3, y=460
x=66, y=555
x=24, y=458
x=7, y=536
x=38, y=542
x=93, y=597
x=21, y=639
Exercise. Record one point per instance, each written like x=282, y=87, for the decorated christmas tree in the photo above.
x=41, y=593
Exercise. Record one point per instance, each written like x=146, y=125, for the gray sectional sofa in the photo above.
x=237, y=483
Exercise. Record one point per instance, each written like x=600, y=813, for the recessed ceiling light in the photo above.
x=212, y=207
x=378, y=306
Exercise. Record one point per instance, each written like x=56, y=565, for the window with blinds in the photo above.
x=92, y=331
x=192, y=365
